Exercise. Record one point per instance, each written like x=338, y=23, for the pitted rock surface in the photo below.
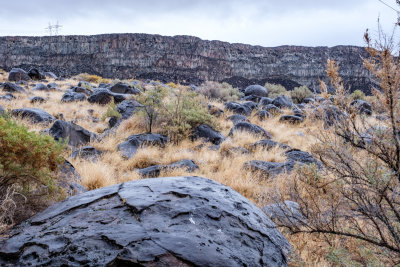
x=174, y=221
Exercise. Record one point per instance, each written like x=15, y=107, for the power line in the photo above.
x=388, y=6
x=53, y=29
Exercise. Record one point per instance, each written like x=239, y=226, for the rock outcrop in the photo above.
x=186, y=59
x=175, y=221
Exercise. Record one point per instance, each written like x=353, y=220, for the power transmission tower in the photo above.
x=49, y=29
x=56, y=27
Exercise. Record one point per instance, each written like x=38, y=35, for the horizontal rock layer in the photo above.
x=185, y=59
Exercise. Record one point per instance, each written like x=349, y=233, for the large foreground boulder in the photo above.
x=175, y=221
x=75, y=134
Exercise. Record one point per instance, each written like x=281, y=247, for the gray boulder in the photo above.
x=363, y=107
x=128, y=107
x=69, y=179
x=41, y=87
x=176, y=221
x=265, y=101
x=293, y=119
x=35, y=74
x=235, y=118
x=282, y=102
x=17, y=74
x=250, y=128
x=238, y=108
x=70, y=96
x=272, y=109
x=12, y=88
x=35, y=114
x=104, y=96
x=136, y=141
x=268, y=144
x=256, y=90
x=263, y=114
x=124, y=88
x=75, y=134
x=87, y=152
x=37, y=99
x=155, y=170
x=205, y=132
x=267, y=169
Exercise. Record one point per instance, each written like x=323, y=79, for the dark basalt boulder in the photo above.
x=250, y=104
x=136, y=141
x=250, y=128
x=235, y=118
x=7, y=97
x=291, y=119
x=87, y=152
x=12, y=88
x=35, y=74
x=265, y=101
x=302, y=157
x=238, y=108
x=272, y=109
x=17, y=74
x=363, y=107
x=267, y=169
x=70, y=96
x=268, y=144
x=252, y=98
x=309, y=100
x=41, y=87
x=124, y=88
x=35, y=114
x=205, y=132
x=52, y=86
x=37, y=99
x=104, y=96
x=175, y=221
x=262, y=114
x=282, y=102
x=83, y=90
x=154, y=171
x=50, y=74
x=233, y=151
x=75, y=134
x=128, y=107
x=69, y=179
x=256, y=90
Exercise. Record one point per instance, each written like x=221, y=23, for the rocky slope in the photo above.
x=185, y=59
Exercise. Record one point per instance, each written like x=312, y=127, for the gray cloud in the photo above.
x=263, y=22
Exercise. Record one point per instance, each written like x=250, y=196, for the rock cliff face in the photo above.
x=181, y=58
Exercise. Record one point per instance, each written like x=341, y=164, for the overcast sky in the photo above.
x=257, y=22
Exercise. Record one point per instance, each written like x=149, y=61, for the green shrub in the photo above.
x=92, y=78
x=182, y=112
x=357, y=94
x=221, y=91
x=300, y=93
x=28, y=167
x=111, y=112
x=275, y=90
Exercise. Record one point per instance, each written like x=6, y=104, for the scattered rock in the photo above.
x=87, y=152
x=250, y=128
x=363, y=107
x=205, y=132
x=35, y=114
x=41, y=87
x=238, y=108
x=282, y=102
x=268, y=144
x=75, y=134
x=176, y=221
x=70, y=96
x=256, y=90
x=309, y=100
x=124, y=88
x=50, y=74
x=8, y=97
x=35, y=74
x=17, y=74
x=37, y=99
x=291, y=119
x=265, y=101
x=133, y=142
x=104, y=96
x=79, y=89
x=235, y=118
x=250, y=104
x=272, y=109
x=128, y=107
x=262, y=114
x=267, y=169
x=69, y=179
x=12, y=88
x=154, y=171
x=301, y=157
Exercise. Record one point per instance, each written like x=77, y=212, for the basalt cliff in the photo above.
x=184, y=59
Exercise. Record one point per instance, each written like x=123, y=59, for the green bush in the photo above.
x=182, y=112
x=111, y=112
x=221, y=91
x=28, y=167
x=300, y=93
x=357, y=94
x=91, y=78
x=275, y=90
